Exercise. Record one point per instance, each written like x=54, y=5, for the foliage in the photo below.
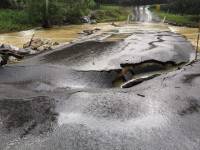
x=182, y=7
x=186, y=20
x=16, y=4
x=51, y=11
x=40, y=11
x=131, y=2
x=12, y=20
x=4, y=4
x=76, y=9
x=110, y=13
x=182, y=12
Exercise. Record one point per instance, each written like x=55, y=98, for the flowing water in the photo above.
x=61, y=34
x=142, y=14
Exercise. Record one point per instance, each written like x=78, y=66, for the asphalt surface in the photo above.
x=98, y=55
x=65, y=99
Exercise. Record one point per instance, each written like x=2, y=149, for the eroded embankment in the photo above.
x=133, y=74
x=50, y=78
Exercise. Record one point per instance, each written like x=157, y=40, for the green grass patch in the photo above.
x=108, y=13
x=182, y=20
x=13, y=20
x=17, y=20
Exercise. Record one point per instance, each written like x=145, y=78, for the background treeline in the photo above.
x=133, y=2
x=14, y=4
x=180, y=12
x=182, y=7
x=23, y=14
x=49, y=11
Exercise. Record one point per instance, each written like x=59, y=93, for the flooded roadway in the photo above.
x=61, y=34
x=66, y=99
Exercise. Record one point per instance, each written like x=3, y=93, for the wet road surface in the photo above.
x=70, y=98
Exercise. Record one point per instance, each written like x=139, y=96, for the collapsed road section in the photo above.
x=92, y=95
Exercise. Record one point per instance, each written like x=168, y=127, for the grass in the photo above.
x=182, y=20
x=17, y=20
x=108, y=13
x=13, y=20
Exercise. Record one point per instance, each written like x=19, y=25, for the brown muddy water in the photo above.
x=61, y=34
x=64, y=34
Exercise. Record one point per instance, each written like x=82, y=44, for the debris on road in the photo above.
x=40, y=44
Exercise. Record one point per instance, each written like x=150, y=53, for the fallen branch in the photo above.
x=31, y=40
x=5, y=51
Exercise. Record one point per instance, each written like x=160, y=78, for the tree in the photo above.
x=5, y=4
x=14, y=4
x=50, y=12
x=185, y=7
x=132, y=2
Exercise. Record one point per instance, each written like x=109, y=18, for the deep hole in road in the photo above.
x=134, y=74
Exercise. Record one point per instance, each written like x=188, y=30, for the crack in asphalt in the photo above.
x=190, y=77
x=153, y=45
x=89, y=109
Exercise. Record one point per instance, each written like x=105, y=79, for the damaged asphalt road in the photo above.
x=71, y=98
x=163, y=46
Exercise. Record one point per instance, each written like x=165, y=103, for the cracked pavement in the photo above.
x=65, y=98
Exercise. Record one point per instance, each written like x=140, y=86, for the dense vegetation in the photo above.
x=23, y=14
x=11, y=20
x=108, y=13
x=182, y=7
x=181, y=12
x=133, y=2
x=17, y=14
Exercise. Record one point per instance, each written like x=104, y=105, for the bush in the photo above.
x=191, y=7
x=59, y=10
x=12, y=20
x=110, y=13
x=195, y=18
x=175, y=18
